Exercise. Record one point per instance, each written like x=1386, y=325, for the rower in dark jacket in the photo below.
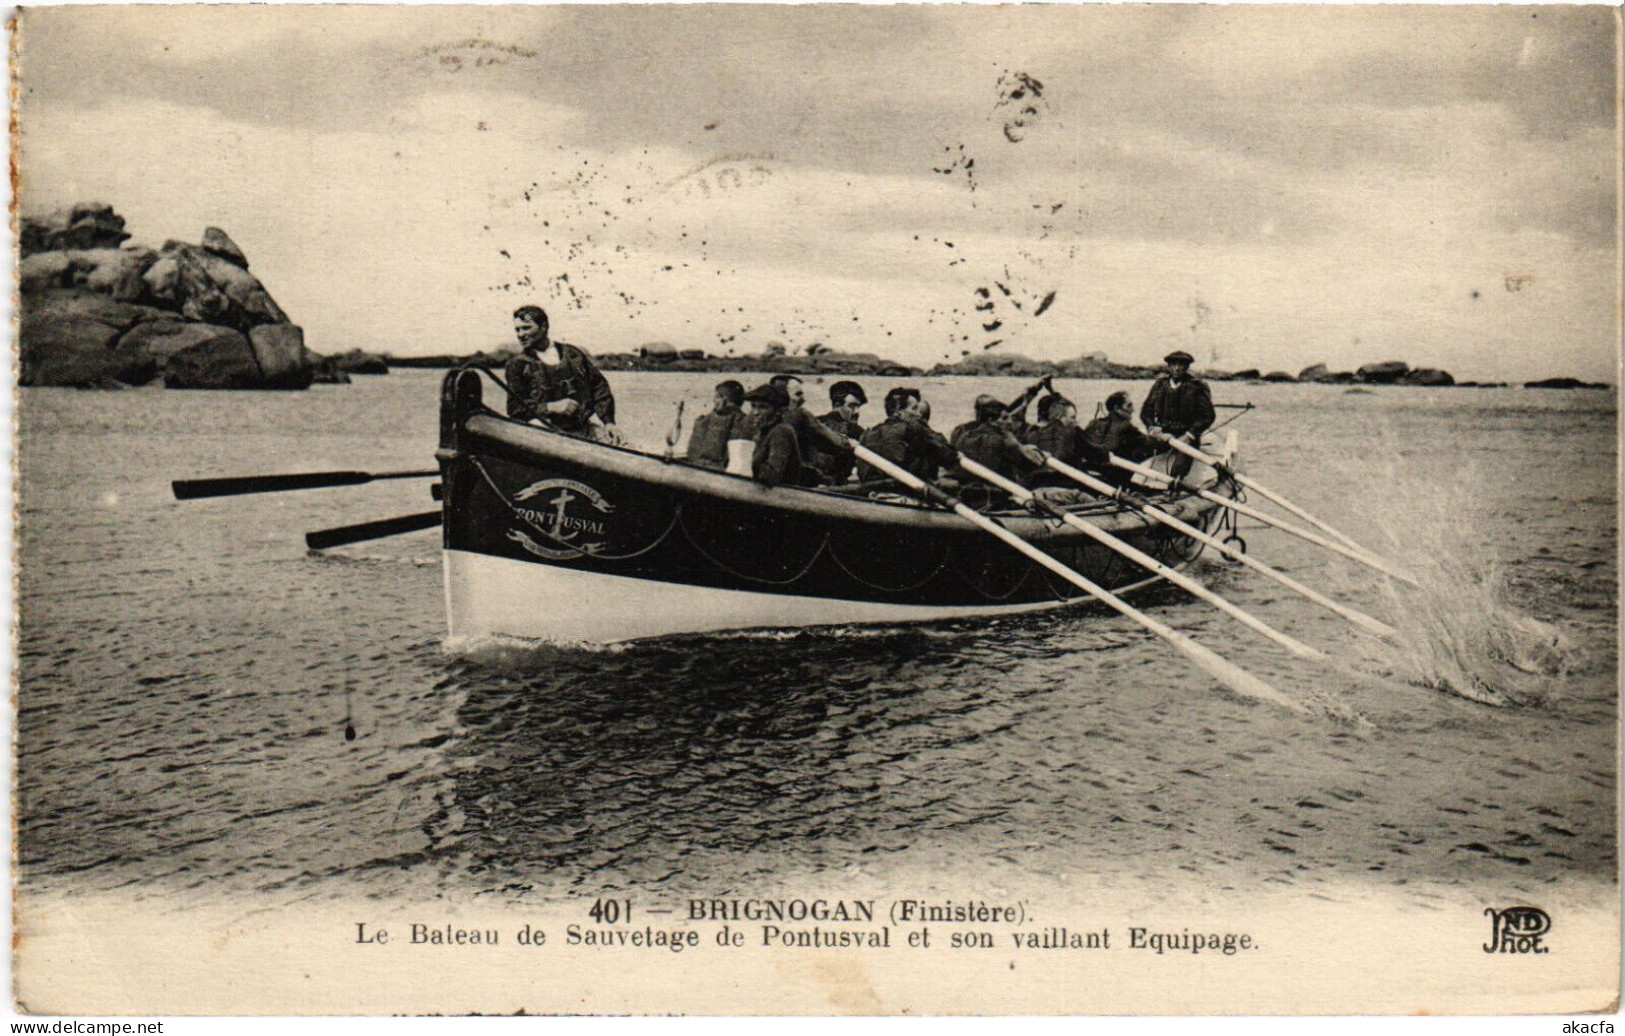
x=812, y=436
x=989, y=441
x=906, y=440
x=1178, y=406
x=708, y=442
x=776, y=460
x=1115, y=433
x=1058, y=435
x=846, y=399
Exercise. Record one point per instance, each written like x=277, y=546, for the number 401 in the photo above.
x=609, y=911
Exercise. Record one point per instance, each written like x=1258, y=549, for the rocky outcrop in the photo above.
x=96, y=310
x=357, y=362
x=1388, y=372
x=1429, y=376
x=1566, y=383
x=87, y=225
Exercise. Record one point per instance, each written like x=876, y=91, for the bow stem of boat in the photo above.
x=1024, y=496
x=1226, y=672
x=1088, y=481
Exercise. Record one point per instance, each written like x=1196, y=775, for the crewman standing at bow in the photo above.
x=1178, y=406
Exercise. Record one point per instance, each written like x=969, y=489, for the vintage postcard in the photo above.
x=763, y=509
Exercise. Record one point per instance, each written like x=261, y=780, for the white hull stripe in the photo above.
x=500, y=597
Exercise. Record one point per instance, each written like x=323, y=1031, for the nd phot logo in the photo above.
x=1517, y=929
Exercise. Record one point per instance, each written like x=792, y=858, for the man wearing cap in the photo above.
x=1178, y=406
x=776, y=460
x=834, y=465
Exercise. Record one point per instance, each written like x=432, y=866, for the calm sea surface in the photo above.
x=187, y=672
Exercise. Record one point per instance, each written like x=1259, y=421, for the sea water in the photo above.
x=188, y=672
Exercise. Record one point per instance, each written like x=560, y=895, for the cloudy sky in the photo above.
x=1265, y=187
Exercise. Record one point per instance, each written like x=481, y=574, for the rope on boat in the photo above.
x=514, y=511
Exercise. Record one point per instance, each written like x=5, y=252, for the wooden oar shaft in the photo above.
x=1269, y=494
x=1227, y=673
x=1267, y=519
x=325, y=538
x=196, y=488
x=1146, y=561
x=1357, y=617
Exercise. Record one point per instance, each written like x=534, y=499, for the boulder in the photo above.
x=1565, y=383
x=114, y=272
x=87, y=225
x=357, y=362
x=43, y=271
x=1314, y=372
x=224, y=361
x=212, y=290
x=163, y=281
x=1386, y=373
x=1430, y=377
x=1279, y=376
x=1250, y=374
x=80, y=303
x=325, y=371
x=218, y=242
x=161, y=339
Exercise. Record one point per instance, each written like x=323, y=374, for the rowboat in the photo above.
x=552, y=537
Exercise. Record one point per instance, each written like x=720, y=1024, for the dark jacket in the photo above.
x=834, y=465
x=1114, y=434
x=989, y=444
x=532, y=385
x=917, y=448
x=1178, y=409
x=708, y=442
x=777, y=458
x=1068, y=444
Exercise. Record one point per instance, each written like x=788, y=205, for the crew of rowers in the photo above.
x=792, y=447
x=558, y=385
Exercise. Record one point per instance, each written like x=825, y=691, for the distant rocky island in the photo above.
x=819, y=360
x=98, y=312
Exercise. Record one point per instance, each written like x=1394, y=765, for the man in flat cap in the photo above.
x=1179, y=407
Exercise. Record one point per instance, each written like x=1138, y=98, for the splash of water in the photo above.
x=1459, y=631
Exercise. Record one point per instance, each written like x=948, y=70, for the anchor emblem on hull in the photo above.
x=574, y=531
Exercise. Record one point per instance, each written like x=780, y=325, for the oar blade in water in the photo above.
x=322, y=539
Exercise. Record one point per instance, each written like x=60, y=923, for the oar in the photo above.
x=322, y=539
x=1088, y=481
x=192, y=489
x=1024, y=496
x=1267, y=519
x=1227, y=673
x=1268, y=494
x=675, y=433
